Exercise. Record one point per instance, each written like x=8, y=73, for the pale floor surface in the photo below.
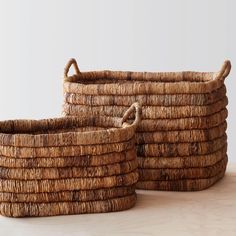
x=208, y=212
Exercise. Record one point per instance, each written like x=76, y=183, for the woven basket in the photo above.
x=68, y=165
x=181, y=141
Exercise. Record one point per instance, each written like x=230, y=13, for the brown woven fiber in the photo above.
x=68, y=165
x=175, y=173
x=181, y=184
x=83, y=161
x=66, y=208
x=181, y=140
x=67, y=196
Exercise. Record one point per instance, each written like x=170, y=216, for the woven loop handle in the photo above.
x=225, y=69
x=135, y=107
x=71, y=62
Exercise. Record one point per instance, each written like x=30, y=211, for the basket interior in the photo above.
x=67, y=130
x=59, y=125
x=122, y=77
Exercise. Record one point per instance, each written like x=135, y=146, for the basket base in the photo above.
x=164, y=174
x=66, y=208
x=181, y=185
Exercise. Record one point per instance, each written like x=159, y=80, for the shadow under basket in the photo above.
x=69, y=165
x=181, y=140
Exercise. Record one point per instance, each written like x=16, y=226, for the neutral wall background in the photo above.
x=38, y=37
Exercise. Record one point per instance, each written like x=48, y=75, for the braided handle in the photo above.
x=71, y=62
x=134, y=108
x=225, y=70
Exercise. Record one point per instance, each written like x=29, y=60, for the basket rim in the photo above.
x=135, y=83
x=115, y=76
x=135, y=109
x=17, y=137
x=57, y=119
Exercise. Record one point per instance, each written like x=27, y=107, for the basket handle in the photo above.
x=71, y=62
x=135, y=107
x=224, y=71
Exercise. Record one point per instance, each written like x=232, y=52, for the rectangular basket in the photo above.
x=181, y=141
x=68, y=165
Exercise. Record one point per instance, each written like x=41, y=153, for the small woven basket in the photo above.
x=68, y=165
x=181, y=141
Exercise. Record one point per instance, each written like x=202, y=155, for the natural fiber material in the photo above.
x=68, y=165
x=56, y=185
x=82, y=161
x=181, y=149
x=69, y=196
x=182, y=162
x=181, y=184
x=59, y=151
x=147, y=100
x=152, y=112
x=186, y=173
x=182, y=136
x=65, y=208
x=67, y=172
x=183, y=131
x=198, y=122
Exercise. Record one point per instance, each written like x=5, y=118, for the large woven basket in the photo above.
x=68, y=165
x=181, y=141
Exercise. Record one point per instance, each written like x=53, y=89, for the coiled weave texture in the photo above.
x=70, y=165
x=181, y=140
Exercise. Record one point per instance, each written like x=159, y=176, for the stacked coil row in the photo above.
x=181, y=140
x=67, y=165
